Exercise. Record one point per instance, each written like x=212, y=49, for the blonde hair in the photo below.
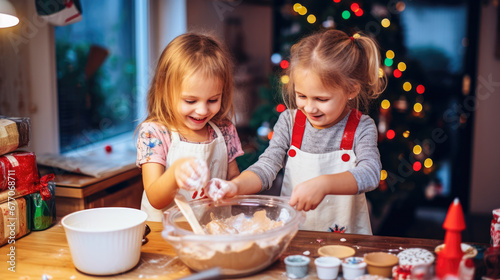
x=339, y=61
x=184, y=56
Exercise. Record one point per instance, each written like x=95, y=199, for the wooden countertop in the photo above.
x=47, y=252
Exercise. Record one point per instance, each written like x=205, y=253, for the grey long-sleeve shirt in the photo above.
x=319, y=141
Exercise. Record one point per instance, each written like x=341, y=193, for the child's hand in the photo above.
x=306, y=197
x=192, y=175
x=217, y=189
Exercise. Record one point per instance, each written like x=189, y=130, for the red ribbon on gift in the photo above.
x=42, y=186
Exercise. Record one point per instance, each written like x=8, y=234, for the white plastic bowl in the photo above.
x=105, y=241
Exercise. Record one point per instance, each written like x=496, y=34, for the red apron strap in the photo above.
x=298, y=128
x=350, y=130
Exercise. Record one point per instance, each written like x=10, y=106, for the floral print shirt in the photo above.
x=154, y=141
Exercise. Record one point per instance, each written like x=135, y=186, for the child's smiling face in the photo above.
x=323, y=107
x=200, y=101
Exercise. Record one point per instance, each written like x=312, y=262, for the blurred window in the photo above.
x=99, y=61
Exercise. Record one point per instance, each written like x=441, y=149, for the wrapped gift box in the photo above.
x=14, y=133
x=18, y=175
x=43, y=209
x=14, y=220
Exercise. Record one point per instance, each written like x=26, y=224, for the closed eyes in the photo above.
x=194, y=101
x=317, y=98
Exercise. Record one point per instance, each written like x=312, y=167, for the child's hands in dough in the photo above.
x=306, y=196
x=192, y=175
x=217, y=189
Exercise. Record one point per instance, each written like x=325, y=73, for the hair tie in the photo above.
x=355, y=36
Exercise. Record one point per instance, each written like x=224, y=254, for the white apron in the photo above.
x=214, y=153
x=335, y=212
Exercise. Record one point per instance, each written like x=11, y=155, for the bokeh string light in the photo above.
x=302, y=10
x=407, y=86
x=311, y=19
x=285, y=79
x=390, y=134
x=402, y=66
x=420, y=89
x=417, y=149
x=280, y=108
x=385, y=104
x=346, y=14
x=284, y=64
x=385, y=22
x=383, y=174
x=390, y=54
x=417, y=165
x=417, y=107
x=397, y=73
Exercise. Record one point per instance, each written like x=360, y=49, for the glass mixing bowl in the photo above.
x=235, y=255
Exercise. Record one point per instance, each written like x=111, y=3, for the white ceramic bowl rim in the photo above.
x=296, y=217
x=97, y=230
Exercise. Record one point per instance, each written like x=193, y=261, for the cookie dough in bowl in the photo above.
x=245, y=234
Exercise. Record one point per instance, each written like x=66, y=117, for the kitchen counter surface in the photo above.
x=47, y=253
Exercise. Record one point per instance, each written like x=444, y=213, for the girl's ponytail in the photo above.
x=376, y=79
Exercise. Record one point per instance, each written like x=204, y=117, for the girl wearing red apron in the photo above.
x=327, y=147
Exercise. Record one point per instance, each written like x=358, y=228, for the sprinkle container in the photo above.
x=327, y=267
x=297, y=266
x=353, y=267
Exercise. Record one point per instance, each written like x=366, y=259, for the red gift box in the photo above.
x=18, y=175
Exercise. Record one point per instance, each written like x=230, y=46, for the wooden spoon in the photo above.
x=186, y=210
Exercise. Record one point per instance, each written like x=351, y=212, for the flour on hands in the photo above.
x=217, y=189
x=192, y=175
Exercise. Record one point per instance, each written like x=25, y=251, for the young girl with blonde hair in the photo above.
x=187, y=137
x=327, y=146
